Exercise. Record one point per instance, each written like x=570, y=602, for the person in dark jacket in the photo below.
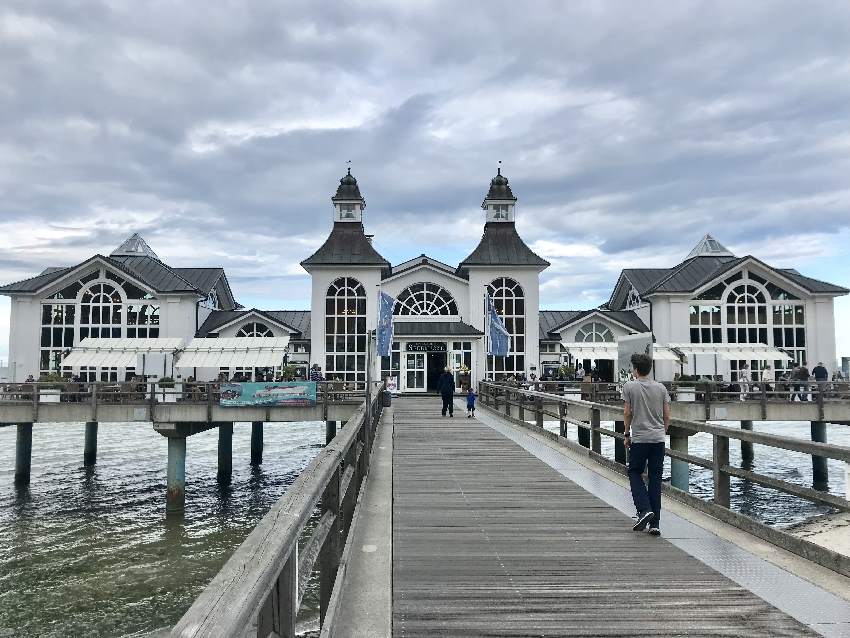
x=446, y=388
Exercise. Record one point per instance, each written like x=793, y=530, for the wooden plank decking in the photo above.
x=490, y=541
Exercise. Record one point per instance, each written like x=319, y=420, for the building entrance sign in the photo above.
x=426, y=346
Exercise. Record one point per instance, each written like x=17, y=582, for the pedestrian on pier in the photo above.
x=470, y=403
x=446, y=388
x=821, y=375
x=646, y=417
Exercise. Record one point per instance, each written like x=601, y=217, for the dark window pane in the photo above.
x=801, y=337
x=695, y=335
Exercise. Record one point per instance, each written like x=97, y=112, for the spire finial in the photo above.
x=499, y=170
x=349, y=166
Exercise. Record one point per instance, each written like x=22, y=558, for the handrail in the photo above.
x=260, y=588
x=493, y=394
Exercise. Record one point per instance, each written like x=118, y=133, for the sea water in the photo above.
x=91, y=552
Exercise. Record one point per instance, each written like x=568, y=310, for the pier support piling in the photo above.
x=256, y=443
x=330, y=431
x=820, y=473
x=90, y=445
x=23, y=454
x=679, y=469
x=175, y=499
x=225, y=453
x=747, y=446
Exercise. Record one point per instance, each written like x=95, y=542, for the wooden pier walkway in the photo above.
x=488, y=540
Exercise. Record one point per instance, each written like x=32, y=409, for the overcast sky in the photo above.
x=219, y=130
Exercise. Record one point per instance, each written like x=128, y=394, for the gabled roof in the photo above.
x=501, y=245
x=708, y=246
x=298, y=319
x=218, y=319
x=550, y=319
x=691, y=273
x=424, y=260
x=813, y=285
x=155, y=273
x=645, y=278
x=204, y=279
x=347, y=245
x=626, y=318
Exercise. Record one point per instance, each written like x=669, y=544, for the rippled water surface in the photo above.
x=92, y=553
x=764, y=504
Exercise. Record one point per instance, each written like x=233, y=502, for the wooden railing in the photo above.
x=259, y=590
x=519, y=403
x=707, y=392
x=148, y=394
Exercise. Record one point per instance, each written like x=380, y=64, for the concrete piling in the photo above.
x=175, y=499
x=820, y=472
x=90, y=446
x=256, y=443
x=619, y=446
x=23, y=454
x=747, y=446
x=225, y=453
x=330, y=431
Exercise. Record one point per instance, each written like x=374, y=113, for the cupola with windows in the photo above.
x=348, y=202
x=500, y=202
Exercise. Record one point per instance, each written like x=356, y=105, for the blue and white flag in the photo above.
x=500, y=338
x=385, y=324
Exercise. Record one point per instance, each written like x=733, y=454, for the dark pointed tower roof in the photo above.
x=499, y=188
x=347, y=245
x=348, y=189
x=501, y=244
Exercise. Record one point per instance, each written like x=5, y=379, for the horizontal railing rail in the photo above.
x=259, y=590
x=505, y=398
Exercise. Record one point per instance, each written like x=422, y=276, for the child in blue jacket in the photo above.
x=470, y=403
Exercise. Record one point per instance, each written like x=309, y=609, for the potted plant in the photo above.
x=464, y=377
x=166, y=382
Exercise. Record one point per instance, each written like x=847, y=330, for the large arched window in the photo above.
x=594, y=331
x=425, y=299
x=746, y=308
x=255, y=329
x=345, y=331
x=509, y=299
x=101, y=312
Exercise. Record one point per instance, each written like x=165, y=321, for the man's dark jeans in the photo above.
x=448, y=403
x=641, y=454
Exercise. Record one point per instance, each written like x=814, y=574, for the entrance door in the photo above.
x=436, y=366
x=415, y=377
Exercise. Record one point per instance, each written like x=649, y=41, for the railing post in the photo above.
x=763, y=399
x=721, y=478
x=538, y=411
x=329, y=559
x=619, y=445
x=679, y=470
x=562, y=418
x=820, y=470
x=820, y=387
x=287, y=595
x=36, y=392
x=496, y=401
x=706, y=397
x=508, y=403
x=596, y=435
x=584, y=435
x=94, y=403
x=209, y=402
x=521, y=407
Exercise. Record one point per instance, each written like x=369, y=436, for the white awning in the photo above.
x=733, y=351
x=592, y=349
x=226, y=352
x=117, y=353
x=608, y=350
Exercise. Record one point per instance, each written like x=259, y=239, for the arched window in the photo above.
x=255, y=329
x=345, y=331
x=425, y=299
x=509, y=299
x=594, y=331
x=101, y=312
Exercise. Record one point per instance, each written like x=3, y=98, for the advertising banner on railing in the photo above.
x=282, y=393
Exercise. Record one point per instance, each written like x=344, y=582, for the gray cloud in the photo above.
x=219, y=130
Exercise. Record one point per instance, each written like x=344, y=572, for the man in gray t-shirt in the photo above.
x=646, y=415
